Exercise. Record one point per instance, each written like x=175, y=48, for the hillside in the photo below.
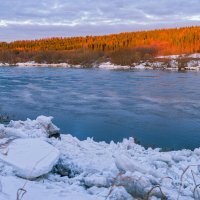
x=89, y=49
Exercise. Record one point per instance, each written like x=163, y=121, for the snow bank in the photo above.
x=171, y=56
x=91, y=170
x=195, y=55
x=34, y=64
x=108, y=65
x=4, y=64
x=171, y=63
x=140, y=66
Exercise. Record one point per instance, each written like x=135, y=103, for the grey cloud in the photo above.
x=44, y=18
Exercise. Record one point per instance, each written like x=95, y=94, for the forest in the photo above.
x=124, y=48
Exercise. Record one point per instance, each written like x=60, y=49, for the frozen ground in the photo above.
x=87, y=170
x=170, y=62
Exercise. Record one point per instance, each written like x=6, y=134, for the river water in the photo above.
x=158, y=108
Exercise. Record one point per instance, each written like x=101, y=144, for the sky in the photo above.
x=32, y=19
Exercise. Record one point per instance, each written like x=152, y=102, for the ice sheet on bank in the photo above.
x=30, y=158
x=88, y=169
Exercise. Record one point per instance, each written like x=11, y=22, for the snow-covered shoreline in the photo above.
x=34, y=64
x=163, y=63
x=89, y=170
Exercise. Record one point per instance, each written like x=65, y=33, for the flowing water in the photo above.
x=159, y=108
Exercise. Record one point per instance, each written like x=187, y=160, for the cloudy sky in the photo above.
x=30, y=19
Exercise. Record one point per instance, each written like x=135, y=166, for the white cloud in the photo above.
x=193, y=18
x=97, y=16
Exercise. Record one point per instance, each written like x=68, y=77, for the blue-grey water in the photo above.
x=159, y=108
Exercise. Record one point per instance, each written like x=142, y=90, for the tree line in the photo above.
x=123, y=47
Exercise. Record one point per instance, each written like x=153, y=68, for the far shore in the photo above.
x=172, y=62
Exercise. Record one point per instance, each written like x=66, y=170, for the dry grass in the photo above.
x=148, y=195
x=128, y=179
x=181, y=180
x=114, y=184
x=20, y=193
x=196, y=192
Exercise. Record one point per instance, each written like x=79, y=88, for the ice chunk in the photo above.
x=41, y=127
x=123, y=163
x=119, y=193
x=30, y=158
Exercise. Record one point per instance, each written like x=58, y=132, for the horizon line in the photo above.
x=102, y=35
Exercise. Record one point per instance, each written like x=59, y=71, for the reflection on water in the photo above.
x=158, y=108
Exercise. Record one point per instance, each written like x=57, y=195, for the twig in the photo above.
x=181, y=180
x=152, y=189
x=20, y=193
x=195, y=185
x=113, y=185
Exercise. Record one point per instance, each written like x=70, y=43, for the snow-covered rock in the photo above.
x=30, y=158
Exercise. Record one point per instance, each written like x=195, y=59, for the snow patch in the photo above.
x=108, y=65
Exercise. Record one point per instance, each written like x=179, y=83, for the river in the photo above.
x=158, y=108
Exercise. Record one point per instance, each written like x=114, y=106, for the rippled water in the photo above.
x=159, y=108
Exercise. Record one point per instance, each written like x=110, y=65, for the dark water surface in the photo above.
x=159, y=108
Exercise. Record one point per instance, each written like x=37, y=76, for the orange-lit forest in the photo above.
x=123, y=46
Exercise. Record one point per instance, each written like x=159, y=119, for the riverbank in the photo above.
x=172, y=62
x=87, y=170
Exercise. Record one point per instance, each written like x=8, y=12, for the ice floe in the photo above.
x=30, y=158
